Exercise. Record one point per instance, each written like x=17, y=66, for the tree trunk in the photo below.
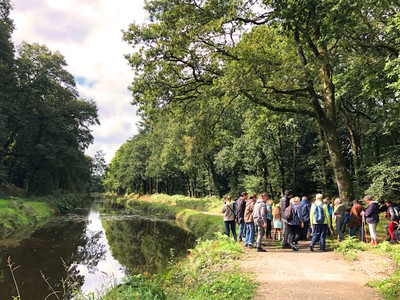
x=280, y=161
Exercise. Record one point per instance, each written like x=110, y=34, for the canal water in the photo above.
x=91, y=250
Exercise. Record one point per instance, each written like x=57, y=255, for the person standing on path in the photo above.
x=260, y=219
x=320, y=222
x=229, y=217
x=392, y=214
x=268, y=207
x=372, y=217
x=339, y=212
x=356, y=220
x=305, y=209
x=277, y=222
x=241, y=207
x=285, y=202
x=295, y=224
x=249, y=221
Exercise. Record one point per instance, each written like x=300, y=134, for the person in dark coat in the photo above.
x=372, y=217
x=241, y=207
x=295, y=224
x=285, y=202
x=306, y=210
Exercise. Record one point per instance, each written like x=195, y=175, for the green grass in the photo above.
x=19, y=216
x=208, y=272
x=388, y=287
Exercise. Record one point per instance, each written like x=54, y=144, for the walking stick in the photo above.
x=365, y=229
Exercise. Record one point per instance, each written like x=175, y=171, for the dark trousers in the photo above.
x=294, y=233
x=269, y=228
x=230, y=226
x=319, y=233
x=285, y=233
x=304, y=231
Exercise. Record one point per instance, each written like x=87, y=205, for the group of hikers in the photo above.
x=297, y=219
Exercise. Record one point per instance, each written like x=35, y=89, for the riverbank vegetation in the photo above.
x=175, y=208
x=208, y=272
x=21, y=216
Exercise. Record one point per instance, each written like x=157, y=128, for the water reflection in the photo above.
x=96, y=248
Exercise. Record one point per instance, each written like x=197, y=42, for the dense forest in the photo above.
x=44, y=125
x=264, y=96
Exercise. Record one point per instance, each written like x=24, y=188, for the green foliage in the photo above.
x=136, y=287
x=385, y=183
x=20, y=216
x=389, y=287
x=207, y=273
x=350, y=248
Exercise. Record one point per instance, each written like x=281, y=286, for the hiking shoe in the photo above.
x=293, y=246
x=250, y=246
x=285, y=246
x=311, y=247
x=261, y=250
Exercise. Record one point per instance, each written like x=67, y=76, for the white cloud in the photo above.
x=88, y=34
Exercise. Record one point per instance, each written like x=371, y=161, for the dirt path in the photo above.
x=286, y=274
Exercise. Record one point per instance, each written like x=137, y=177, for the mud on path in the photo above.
x=288, y=274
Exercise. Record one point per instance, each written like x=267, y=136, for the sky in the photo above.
x=88, y=34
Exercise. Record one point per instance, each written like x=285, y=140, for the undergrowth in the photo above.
x=208, y=272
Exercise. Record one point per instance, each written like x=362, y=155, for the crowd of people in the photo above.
x=295, y=219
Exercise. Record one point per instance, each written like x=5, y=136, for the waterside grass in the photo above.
x=20, y=216
x=388, y=287
x=210, y=271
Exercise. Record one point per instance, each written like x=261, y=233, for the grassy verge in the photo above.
x=210, y=271
x=388, y=287
x=200, y=224
x=20, y=216
x=206, y=204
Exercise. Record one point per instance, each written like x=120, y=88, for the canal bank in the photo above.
x=209, y=271
x=21, y=216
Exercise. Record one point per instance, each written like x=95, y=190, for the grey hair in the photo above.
x=338, y=200
x=318, y=197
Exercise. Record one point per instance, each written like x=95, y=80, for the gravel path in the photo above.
x=286, y=274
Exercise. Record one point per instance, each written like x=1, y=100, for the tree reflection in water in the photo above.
x=91, y=245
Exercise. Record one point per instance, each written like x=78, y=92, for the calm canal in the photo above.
x=90, y=249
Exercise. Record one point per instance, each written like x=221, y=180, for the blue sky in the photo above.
x=88, y=34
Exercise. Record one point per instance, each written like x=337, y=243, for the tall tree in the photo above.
x=279, y=54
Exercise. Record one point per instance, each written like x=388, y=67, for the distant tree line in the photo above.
x=264, y=95
x=44, y=125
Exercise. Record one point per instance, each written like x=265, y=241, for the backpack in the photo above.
x=319, y=217
x=396, y=210
x=288, y=213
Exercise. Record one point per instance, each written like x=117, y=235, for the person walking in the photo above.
x=295, y=223
x=356, y=220
x=339, y=213
x=249, y=222
x=229, y=217
x=372, y=217
x=305, y=209
x=260, y=219
x=268, y=208
x=393, y=215
x=320, y=222
x=241, y=206
x=285, y=202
